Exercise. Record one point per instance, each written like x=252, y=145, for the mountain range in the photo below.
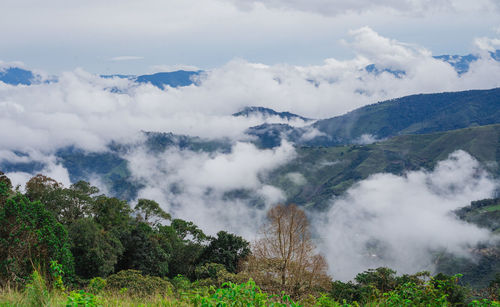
x=15, y=75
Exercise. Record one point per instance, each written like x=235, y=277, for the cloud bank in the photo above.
x=195, y=185
x=398, y=221
x=88, y=111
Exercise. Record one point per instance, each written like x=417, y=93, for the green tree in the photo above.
x=383, y=279
x=112, y=213
x=30, y=235
x=5, y=188
x=67, y=204
x=145, y=250
x=227, y=249
x=186, y=243
x=150, y=211
x=96, y=251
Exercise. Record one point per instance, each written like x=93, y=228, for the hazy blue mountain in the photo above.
x=16, y=76
x=459, y=62
x=173, y=79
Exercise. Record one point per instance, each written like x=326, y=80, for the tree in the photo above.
x=30, y=235
x=96, y=251
x=67, y=204
x=285, y=254
x=149, y=209
x=145, y=250
x=227, y=249
x=186, y=242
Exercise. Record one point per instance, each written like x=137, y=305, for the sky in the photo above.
x=134, y=37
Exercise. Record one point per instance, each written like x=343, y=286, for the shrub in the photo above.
x=96, y=285
x=82, y=299
x=246, y=294
x=36, y=293
x=138, y=284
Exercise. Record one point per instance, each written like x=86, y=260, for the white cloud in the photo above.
x=52, y=168
x=338, y=7
x=487, y=44
x=192, y=185
x=296, y=178
x=397, y=221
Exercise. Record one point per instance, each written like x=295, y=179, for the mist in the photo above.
x=194, y=185
x=399, y=221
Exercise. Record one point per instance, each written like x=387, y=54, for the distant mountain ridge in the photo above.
x=415, y=114
x=17, y=76
x=249, y=111
x=177, y=78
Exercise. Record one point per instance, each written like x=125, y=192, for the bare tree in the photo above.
x=284, y=257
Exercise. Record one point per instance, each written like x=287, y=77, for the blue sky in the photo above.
x=124, y=36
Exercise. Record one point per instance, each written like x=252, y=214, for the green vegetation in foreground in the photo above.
x=372, y=288
x=71, y=247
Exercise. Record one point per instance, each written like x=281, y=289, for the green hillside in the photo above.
x=331, y=171
x=416, y=114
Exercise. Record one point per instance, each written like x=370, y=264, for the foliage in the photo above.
x=36, y=292
x=150, y=211
x=226, y=249
x=82, y=299
x=111, y=213
x=144, y=251
x=29, y=234
x=57, y=273
x=96, y=250
x=185, y=241
x=246, y=294
x=411, y=294
x=137, y=284
x=97, y=285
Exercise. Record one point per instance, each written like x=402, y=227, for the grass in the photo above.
x=492, y=208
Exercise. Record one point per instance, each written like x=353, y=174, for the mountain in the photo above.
x=416, y=114
x=16, y=76
x=461, y=63
x=173, y=79
x=330, y=171
x=266, y=112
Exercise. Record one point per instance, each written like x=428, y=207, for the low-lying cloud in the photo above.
x=397, y=221
x=88, y=111
x=194, y=185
